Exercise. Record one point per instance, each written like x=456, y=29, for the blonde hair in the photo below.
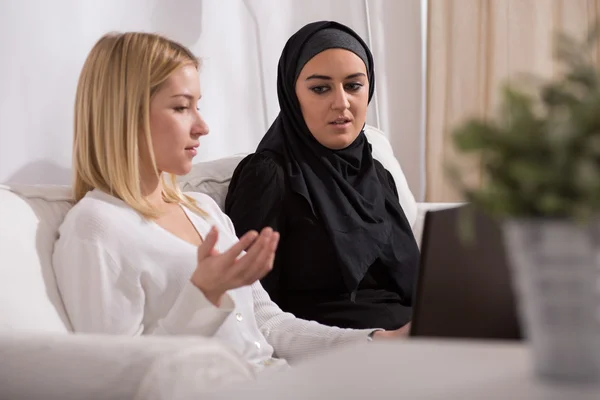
x=112, y=109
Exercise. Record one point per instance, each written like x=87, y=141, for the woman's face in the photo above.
x=333, y=91
x=175, y=123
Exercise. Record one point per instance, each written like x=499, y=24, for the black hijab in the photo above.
x=361, y=214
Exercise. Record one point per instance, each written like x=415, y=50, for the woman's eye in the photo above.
x=180, y=109
x=354, y=86
x=319, y=89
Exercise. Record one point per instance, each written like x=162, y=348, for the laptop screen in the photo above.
x=464, y=289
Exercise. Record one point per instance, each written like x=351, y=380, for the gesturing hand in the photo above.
x=216, y=273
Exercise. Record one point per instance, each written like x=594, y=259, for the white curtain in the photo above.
x=475, y=46
x=44, y=45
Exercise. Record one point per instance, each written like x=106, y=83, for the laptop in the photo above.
x=464, y=290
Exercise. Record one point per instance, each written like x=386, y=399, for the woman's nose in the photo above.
x=200, y=127
x=340, y=100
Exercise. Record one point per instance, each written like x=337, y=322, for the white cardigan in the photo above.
x=119, y=273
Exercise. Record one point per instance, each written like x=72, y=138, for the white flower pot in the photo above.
x=556, y=274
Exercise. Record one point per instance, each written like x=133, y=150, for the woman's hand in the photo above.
x=398, y=333
x=217, y=273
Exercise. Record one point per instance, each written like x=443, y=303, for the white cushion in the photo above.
x=192, y=371
x=40, y=365
x=211, y=177
x=383, y=152
x=29, y=220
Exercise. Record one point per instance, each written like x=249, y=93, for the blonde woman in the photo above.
x=135, y=255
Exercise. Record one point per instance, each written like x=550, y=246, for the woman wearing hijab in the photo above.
x=347, y=256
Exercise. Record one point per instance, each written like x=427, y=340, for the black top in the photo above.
x=307, y=278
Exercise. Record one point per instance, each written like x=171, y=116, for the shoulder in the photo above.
x=97, y=226
x=98, y=216
x=263, y=166
x=258, y=176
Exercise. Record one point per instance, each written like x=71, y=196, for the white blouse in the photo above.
x=119, y=273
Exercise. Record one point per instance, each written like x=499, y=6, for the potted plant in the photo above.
x=540, y=159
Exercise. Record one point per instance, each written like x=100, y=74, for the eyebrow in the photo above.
x=325, y=77
x=187, y=96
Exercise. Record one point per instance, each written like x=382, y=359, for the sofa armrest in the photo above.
x=422, y=209
x=76, y=366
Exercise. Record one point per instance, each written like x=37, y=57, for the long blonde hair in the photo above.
x=112, y=109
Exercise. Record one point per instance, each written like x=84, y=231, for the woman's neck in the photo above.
x=152, y=189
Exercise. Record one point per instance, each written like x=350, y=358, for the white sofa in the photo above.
x=42, y=358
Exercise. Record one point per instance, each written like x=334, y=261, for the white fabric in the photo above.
x=28, y=223
x=416, y=369
x=105, y=367
x=192, y=369
x=39, y=358
x=119, y=273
